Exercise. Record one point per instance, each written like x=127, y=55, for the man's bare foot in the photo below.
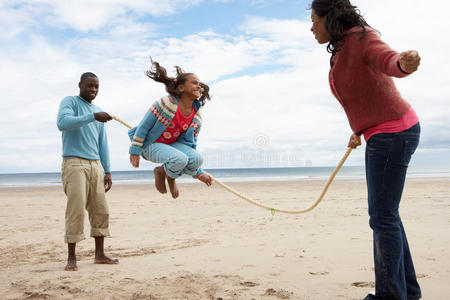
x=160, y=179
x=173, y=187
x=71, y=265
x=106, y=260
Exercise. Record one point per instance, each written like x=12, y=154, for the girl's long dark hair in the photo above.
x=340, y=15
x=159, y=74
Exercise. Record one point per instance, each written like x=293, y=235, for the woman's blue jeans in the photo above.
x=387, y=159
x=177, y=158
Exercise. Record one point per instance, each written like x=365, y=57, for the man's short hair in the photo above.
x=87, y=75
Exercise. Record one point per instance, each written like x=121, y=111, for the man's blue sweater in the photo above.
x=82, y=135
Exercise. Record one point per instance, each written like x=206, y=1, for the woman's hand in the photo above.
x=205, y=178
x=409, y=61
x=355, y=141
x=134, y=160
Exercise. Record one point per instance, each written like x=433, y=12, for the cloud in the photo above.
x=87, y=15
x=211, y=55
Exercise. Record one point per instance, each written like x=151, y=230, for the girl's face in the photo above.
x=318, y=28
x=191, y=87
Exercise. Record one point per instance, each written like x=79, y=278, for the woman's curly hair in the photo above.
x=159, y=74
x=340, y=15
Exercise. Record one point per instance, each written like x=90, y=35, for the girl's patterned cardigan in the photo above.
x=156, y=121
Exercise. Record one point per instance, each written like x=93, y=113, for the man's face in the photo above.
x=88, y=88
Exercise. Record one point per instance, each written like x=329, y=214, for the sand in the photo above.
x=209, y=244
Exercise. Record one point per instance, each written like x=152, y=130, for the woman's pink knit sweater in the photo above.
x=360, y=78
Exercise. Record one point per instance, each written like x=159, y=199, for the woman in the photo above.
x=362, y=67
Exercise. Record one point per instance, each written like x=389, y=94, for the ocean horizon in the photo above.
x=223, y=174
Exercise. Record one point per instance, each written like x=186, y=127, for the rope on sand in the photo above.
x=292, y=212
x=273, y=210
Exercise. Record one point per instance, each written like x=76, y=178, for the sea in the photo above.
x=225, y=175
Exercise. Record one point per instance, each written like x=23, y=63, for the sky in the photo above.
x=271, y=104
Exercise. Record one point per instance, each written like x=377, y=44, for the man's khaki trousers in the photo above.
x=83, y=182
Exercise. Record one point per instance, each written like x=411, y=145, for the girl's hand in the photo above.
x=205, y=178
x=409, y=61
x=355, y=141
x=134, y=160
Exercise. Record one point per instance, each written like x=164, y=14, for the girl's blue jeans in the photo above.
x=177, y=158
x=387, y=158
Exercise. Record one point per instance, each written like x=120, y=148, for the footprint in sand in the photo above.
x=129, y=280
x=36, y=295
x=40, y=271
x=319, y=273
x=281, y=294
x=249, y=283
x=364, y=284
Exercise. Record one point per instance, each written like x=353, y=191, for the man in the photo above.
x=85, y=173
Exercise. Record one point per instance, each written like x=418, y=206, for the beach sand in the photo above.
x=209, y=244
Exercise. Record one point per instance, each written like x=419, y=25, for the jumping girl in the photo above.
x=168, y=132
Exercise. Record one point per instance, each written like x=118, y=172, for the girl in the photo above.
x=360, y=77
x=168, y=132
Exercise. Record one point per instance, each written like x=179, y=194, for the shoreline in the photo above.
x=232, y=180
